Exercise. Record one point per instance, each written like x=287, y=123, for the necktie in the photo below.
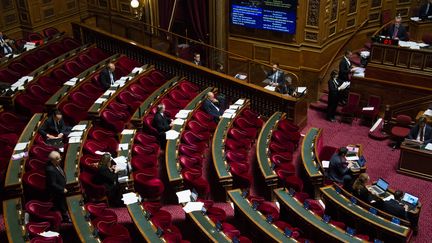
x=60, y=170
x=395, y=33
x=427, y=8
x=421, y=134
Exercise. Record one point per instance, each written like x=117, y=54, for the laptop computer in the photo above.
x=380, y=187
x=410, y=200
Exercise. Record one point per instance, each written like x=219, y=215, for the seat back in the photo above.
x=403, y=120
x=374, y=101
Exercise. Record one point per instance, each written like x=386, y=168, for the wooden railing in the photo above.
x=410, y=108
x=264, y=101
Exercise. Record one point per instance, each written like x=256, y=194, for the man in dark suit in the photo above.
x=395, y=207
x=333, y=95
x=54, y=127
x=107, y=76
x=286, y=87
x=212, y=106
x=5, y=44
x=339, y=169
x=397, y=31
x=345, y=69
x=162, y=123
x=426, y=10
x=421, y=132
x=56, y=182
x=275, y=77
x=197, y=59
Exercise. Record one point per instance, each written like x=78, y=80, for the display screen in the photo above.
x=273, y=15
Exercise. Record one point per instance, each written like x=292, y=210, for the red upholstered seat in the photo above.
x=290, y=181
x=90, y=88
x=284, y=225
x=34, y=37
x=36, y=164
x=158, y=77
x=101, y=211
x=230, y=230
x=9, y=76
x=237, y=157
x=190, y=162
x=147, y=185
x=85, y=60
x=35, y=228
x=189, y=88
x=140, y=162
x=93, y=191
x=40, y=151
x=89, y=162
x=146, y=150
x=109, y=145
x=44, y=56
x=216, y=214
x=241, y=173
x=116, y=239
x=56, y=49
x=50, y=31
x=49, y=84
x=74, y=113
x=280, y=159
x=351, y=109
x=97, y=54
x=276, y=147
x=194, y=139
x=195, y=180
x=40, y=93
x=113, y=120
x=127, y=63
x=137, y=89
x=132, y=100
x=31, y=61
x=232, y=144
x=61, y=75
x=288, y=126
x=197, y=127
x=401, y=129
x=70, y=43
x=42, y=212
x=41, y=239
x=73, y=68
x=143, y=138
x=189, y=150
x=19, y=68
x=110, y=228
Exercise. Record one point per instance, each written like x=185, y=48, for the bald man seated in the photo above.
x=56, y=183
x=107, y=76
x=213, y=107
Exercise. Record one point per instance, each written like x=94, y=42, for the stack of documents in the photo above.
x=428, y=146
x=79, y=127
x=184, y=196
x=171, y=135
x=130, y=198
x=20, y=146
x=178, y=121
x=137, y=70
x=109, y=92
x=412, y=44
x=72, y=82
x=270, y=87
x=239, y=102
x=19, y=156
x=128, y=131
x=49, y=234
x=76, y=134
x=21, y=82
x=29, y=45
x=182, y=114
x=75, y=137
x=345, y=85
x=359, y=72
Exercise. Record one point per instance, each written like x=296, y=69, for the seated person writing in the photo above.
x=286, y=87
x=107, y=76
x=395, y=206
x=163, y=123
x=340, y=169
x=107, y=176
x=275, y=76
x=54, y=128
x=421, y=132
x=212, y=106
x=361, y=191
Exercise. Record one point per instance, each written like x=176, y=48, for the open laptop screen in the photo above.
x=382, y=184
x=410, y=199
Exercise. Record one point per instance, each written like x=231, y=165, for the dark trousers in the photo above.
x=332, y=104
x=59, y=201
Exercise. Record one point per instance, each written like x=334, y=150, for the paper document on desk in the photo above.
x=109, y=92
x=79, y=127
x=228, y=115
x=75, y=140
x=359, y=72
x=368, y=108
x=128, y=131
x=415, y=19
x=344, y=85
x=300, y=90
x=137, y=69
x=183, y=114
x=178, y=121
x=20, y=146
x=120, y=161
x=184, y=196
x=193, y=206
x=234, y=107
x=270, y=87
x=230, y=111
x=171, y=135
x=352, y=158
x=325, y=164
x=130, y=198
x=123, y=146
x=69, y=83
x=428, y=112
x=428, y=146
x=239, y=102
x=388, y=198
x=49, y=234
x=100, y=100
x=75, y=134
x=19, y=156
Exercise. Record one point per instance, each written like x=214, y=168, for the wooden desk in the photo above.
x=85, y=76
x=13, y=219
x=218, y=149
x=243, y=208
x=415, y=162
x=77, y=213
x=207, y=227
x=312, y=224
x=171, y=151
x=418, y=28
x=314, y=171
x=16, y=167
x=361, y=218
x=262, y=147
x=145, y=227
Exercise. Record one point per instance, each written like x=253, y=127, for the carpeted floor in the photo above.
x=381, y=162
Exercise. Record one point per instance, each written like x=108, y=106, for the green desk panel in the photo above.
x=71, y=162
x=262, y=145
x=14, y=230
x=308, y=162
x=218, y=148
x=77, y=214
x=208, y=228
x=143, y=225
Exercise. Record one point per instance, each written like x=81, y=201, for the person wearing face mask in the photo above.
x=397, y=31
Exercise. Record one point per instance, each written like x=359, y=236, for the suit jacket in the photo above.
x=422, y=12
x=2, y=48
x=211, y=109
x=402, y=33
x=280, y=76
x=337, y=168
x=105, y=79
x=55, y=181
x=49, y=127
x=427, y=135
x=161, y=123
x=363, y=194
x=344, y=69
x=106, y=177
x=394, y=208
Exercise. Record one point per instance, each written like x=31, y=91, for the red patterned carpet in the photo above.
x=381, y=162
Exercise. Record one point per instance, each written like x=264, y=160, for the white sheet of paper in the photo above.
x=368, y=108
x=79, y=127
x=74, y=140
x=120, y=160
x=234, y=107
x=228, y=115
x=100, y=100
x=377, y=123
x=270, y=87
x=325, y=164
x=100, y=152
x=109, y=92
x=171, y=135
x=389, y=198
x=416, y=19
x=137, y=69
x=428, y=146
x=301, y=89
x=75, y=134
x=182, y=114
x=124, y=79
x=69, y=83
x=239, y=102
x=184, y=196
x=123, y=146
x=428, y=112
x=21, y=87
x=123, y=179
x=230, y=111
x=352, y=158
x=19, y=156
x=49, y=234
x=130, y=198
x=178, y=121
x=128, y=131
x=20, y=146
x=193, y=206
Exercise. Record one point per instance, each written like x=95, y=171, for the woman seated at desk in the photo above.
x=360, y=190
x=107, y=176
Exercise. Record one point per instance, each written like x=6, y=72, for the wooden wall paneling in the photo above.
x=428, y=62
x=390, y=56
x=241, y=47
x=403, y=59
x=416, y=61
x=262, y=53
